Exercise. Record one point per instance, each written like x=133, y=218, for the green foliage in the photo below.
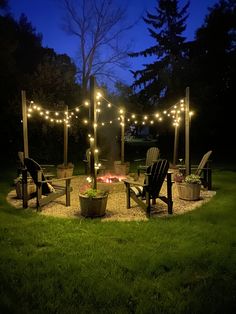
x=212, y=73
x=161, y=78
x=47, y=77
x=94, y=193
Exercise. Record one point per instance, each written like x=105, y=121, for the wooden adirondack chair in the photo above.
x=203, y=170
x=46, y=190
x=151, y=156
x=150, y=189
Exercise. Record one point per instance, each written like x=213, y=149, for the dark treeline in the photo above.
x=207, y=65
x=47, y=77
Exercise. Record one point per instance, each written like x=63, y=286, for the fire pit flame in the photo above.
x=110, y=179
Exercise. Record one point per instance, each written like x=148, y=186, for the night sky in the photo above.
x=46, y=16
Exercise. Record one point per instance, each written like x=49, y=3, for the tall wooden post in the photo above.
x=187, y=134
x=176, y=140
x=122, y=138
x=26, y=149
x=93, y=138
x=66, y=137
x=25, y=126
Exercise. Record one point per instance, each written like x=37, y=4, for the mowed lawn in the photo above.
x=178, y=264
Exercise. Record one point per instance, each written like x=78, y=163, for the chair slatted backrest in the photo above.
x=33, y=167
x=203, y=163
x=157, y=173
x=152, y=155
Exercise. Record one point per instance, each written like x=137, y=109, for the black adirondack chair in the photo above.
x=46, y=190
x=150, y=189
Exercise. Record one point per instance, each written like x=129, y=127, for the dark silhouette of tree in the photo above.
x=3, y=4
x=25, y=65
x=212, y=73
x=161, y=79
x=99, y=26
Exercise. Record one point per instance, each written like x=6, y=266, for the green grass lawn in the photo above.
x=178, y=264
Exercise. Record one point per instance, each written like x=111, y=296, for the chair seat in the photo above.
x=150, y=189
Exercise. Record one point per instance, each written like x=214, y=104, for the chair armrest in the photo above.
x=131, y=182
x=58, y=179
x=105, y=160
x=142, y=159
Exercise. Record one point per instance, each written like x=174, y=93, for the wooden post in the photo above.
x=187, y=134
x=93, y=139
x=66, y=137
x=176, y=142
x=122, y=138
x=25, y=126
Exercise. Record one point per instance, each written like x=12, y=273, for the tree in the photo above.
x=98, y=25
x=3, y=4
x=213, y=71
x=46, y=76
x=162, y=79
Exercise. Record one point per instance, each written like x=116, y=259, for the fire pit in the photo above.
x=112, y=183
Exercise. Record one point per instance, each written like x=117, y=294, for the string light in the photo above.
x=177, y=108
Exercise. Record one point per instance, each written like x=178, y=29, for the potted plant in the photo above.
x=93, y=201
x=189, y=188
x=65, y=170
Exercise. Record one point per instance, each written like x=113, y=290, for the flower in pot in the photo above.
x=93, y=201
x=192, y=179
x=189, y=188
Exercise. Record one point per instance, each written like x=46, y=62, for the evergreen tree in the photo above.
x=161, y=80
x=212, y=74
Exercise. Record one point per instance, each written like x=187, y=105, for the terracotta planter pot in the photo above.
x=189, y=191
x=93, y=206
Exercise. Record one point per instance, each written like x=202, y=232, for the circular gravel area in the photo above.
x=116, y=205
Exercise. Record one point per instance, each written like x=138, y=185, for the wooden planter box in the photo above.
x=64, y=172
x=31, y=188
x=93, y=206
x=121, y=168
x=189, y=191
